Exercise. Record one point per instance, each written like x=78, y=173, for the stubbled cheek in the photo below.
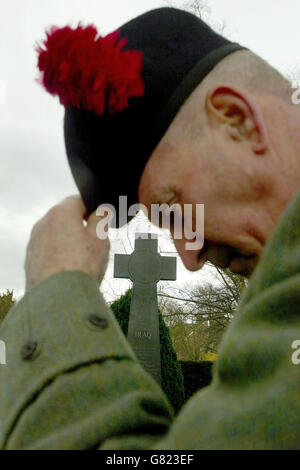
x=258, y=181
x=259, y=189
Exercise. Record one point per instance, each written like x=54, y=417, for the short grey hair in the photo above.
x=254, y=73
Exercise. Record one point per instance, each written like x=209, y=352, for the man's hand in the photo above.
x=60, y=242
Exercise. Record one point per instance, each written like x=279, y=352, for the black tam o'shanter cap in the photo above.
x=121, y=93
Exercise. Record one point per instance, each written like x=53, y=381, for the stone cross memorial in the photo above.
x=145, y=267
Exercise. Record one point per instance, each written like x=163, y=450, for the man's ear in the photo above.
x=230, y=107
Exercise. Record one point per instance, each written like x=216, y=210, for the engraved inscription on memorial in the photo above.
x=145, y=267
x=143, y=334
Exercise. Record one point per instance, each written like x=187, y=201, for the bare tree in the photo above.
x=199, y=8
x=202, y=9
x=198, y=316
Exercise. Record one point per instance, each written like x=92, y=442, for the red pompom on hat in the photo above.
x=88, y=71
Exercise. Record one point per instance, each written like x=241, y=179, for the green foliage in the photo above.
x=196, y=376
x=172, y=379
x=6, y=303
x=121, y=309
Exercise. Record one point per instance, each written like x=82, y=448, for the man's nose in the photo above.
x=193, y=260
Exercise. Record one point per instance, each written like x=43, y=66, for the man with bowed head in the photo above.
x=199, y=120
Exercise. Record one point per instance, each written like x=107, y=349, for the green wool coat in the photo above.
x=82, y=388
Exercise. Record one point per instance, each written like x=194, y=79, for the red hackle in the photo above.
x=88, y=71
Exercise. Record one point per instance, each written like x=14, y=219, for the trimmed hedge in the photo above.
x=172, y=378
x=196, y=376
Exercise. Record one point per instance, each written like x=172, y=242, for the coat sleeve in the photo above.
x=77, y=385
x=71, y=380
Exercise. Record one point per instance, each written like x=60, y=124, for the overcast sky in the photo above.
x=34, y=172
